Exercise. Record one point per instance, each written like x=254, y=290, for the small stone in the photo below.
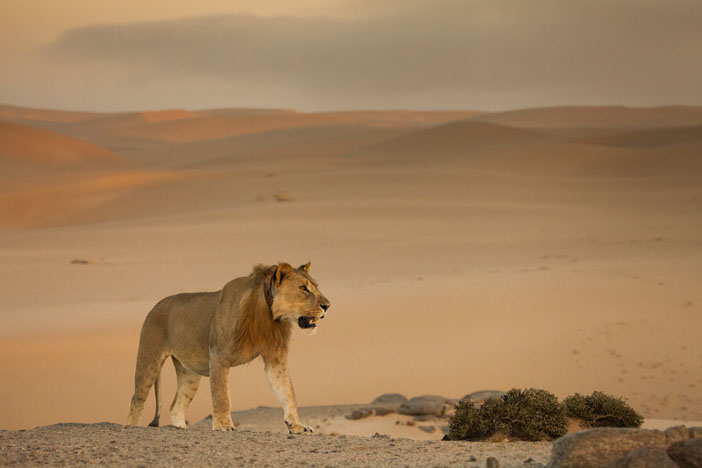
x=423, y=418
x=687, y=453
x=529, y=460
x=427, y=428
x=492, y=463
x=360, y=414
x=472, y=459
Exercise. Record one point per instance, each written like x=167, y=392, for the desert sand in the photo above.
x=556, y=248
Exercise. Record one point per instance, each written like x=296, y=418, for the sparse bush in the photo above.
x=530, y=414
x=602, y=410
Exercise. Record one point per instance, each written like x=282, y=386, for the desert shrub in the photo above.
x=534, y=414
x=465, y=424
x=530, y=414
x=602, y=410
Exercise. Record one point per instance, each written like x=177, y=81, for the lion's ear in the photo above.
x=283, y=270
x=305, y=267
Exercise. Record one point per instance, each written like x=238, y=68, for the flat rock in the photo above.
x=597, y=447
x=687, y=453
x=427, y=405
x=390, y=399
x=644, y=457
x=427, y=428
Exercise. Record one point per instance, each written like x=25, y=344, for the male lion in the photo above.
x=207, y=333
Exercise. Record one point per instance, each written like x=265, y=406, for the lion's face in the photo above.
x=297, y=298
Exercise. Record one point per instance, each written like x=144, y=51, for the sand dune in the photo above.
x=26, y=144
x=167, y=115
x=401, y=117
x=598, y=117
x=649, y=138
x=61, y=201
x=452, y=140
x=19, y=114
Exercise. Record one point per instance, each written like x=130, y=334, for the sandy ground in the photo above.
x=457, y=256
x=115, y=445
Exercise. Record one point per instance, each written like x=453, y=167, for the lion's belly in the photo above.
x=188, y=329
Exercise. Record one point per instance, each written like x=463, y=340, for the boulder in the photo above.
x=390, y=399
x=644, y=457
x=676, y=434
x=427, y=405
x=482, y=395
x=383, y=411
x=597, y=447
x=687, y=453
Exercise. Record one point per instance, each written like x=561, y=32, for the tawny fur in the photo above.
x=207, y=333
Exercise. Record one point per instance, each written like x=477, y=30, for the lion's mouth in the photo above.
x=307, y=321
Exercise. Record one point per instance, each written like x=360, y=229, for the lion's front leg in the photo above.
x=279, y=380
x=219, y=386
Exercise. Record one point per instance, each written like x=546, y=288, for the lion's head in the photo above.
x=296, y=297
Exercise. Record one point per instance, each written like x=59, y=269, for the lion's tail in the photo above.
x=157, y=393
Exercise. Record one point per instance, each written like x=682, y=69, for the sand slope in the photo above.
x=23, y=143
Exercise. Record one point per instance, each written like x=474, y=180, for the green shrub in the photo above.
x=530, y=414
x=602, y=410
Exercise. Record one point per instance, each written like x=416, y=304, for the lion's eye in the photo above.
x=304, y=288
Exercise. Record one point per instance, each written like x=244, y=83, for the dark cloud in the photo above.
x=433, y=54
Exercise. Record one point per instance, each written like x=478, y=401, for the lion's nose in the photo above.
x=324, y=306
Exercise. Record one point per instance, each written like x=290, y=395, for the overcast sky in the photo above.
x=322, y=55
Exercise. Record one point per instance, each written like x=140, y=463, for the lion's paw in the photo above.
x=224, y=426
x=299, y=428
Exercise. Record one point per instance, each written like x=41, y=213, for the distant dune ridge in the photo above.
x=556, y=248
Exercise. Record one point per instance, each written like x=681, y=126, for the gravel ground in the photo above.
x=108, y=444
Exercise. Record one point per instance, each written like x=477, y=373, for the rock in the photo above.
x=597, y=447
x=482, y=395
x=359, y=414
x=423, y=418
x=492, y=462
x=426, y=405
x=445, y=429
x=687, y=453
x=427, y=428
x=676, y=434
x=644, y=457
x=390, y=399
x=383, y=411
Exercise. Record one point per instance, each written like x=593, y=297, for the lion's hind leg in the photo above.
x=188, y=383
x=148, y=368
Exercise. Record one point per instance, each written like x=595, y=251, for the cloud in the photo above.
x=419, y=54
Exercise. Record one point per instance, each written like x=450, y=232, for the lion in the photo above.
x=206, y=333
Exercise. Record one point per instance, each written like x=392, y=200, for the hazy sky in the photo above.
x=332, y=54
